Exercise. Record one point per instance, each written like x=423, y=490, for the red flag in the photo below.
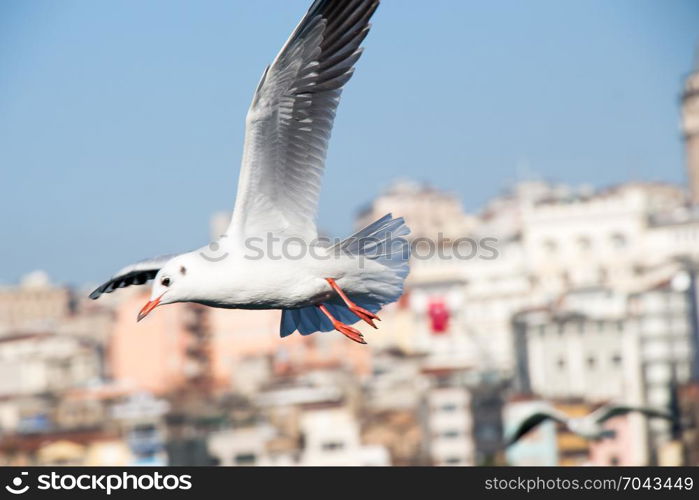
x=439, y=315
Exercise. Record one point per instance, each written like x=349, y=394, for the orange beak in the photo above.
x=150, y=305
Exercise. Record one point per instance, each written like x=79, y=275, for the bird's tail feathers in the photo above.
x=383, y=242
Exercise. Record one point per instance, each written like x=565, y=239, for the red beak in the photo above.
x=150, y=305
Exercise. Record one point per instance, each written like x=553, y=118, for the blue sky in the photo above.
x=121, y=123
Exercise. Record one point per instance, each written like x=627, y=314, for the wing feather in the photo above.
x=290, y=120
x=607, y=412
x=134, y=274
x=533, y=421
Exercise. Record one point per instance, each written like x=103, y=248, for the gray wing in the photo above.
x=531, y=422
x=606, y=412
x=290, y=120
x=134, y=274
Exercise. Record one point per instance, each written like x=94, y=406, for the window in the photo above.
x=333, y=446
x=451, y=434
x=565, y=278
x=453, y=460
x=449, y=407
x=245, y=459
x=591, y=361
x=561, y=363
x=584, y=243
x=550, y=246
x=616, y=360
x=618, y=240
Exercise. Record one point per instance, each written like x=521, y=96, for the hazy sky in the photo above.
x=121, y=122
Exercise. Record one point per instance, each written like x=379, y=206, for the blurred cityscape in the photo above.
x=568, y=298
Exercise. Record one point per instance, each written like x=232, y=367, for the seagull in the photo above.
x=270, y=256
x=588, y=427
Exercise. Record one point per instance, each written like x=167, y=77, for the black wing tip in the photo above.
x=133, y=278
x=515, y=437
x=99, y=291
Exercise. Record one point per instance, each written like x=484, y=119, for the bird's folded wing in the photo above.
x=289, y=122
x=134, y=274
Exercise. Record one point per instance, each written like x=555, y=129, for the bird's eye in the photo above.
x=183, y=270
x=165, y=282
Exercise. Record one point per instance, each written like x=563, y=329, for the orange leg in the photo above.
x=362, y=313
x=346, y=330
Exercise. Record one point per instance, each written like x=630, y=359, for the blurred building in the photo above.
x=688, y=399
x=139, y=417
x=572, y=449
x=429, y=212
x=450, y=426
x=599, y=345
x=690, y=128
x=399, y=431
x=36, y=371
x=34, y=305
x=462, y=415
x=152, y=355
x=331, y=436
x=35, y=363
x=247, y=445
x=524, y=249
x=622, y=448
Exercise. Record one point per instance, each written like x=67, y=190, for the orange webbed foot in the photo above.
x=346, y=330
x=361, y=313
x=365, y=315
x=349, y=332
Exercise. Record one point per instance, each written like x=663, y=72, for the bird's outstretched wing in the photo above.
x=289, y=122
x=606, y=412
x=531, y=422
x=134, y=274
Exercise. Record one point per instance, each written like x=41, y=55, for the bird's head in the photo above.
x=171, y=284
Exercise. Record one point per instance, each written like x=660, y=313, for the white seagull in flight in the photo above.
x=318, y=287
x=590, y=426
